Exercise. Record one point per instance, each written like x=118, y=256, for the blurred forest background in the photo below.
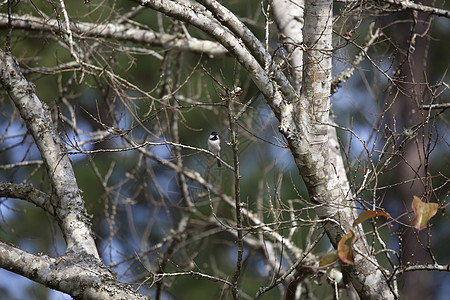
x=111, y=94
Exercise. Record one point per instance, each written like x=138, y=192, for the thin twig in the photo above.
x=237, y=195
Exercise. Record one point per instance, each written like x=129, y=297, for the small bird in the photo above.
x=214, y=146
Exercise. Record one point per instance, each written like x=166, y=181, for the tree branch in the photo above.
x=29, y=193
x=436, y=106
x=419, y=7
x=237, y=194
x=65, y=274
x=289, y=19
x=118, y=32
x=70, y=212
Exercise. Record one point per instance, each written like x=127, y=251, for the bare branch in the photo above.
x=436, y=106
x=21, y=164
x=117, y=32
x=65, y=274
x=419, y=7
x=237, y=195
x=70, y=211
x=29, y=193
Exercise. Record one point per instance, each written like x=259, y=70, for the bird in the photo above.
x=214, y=146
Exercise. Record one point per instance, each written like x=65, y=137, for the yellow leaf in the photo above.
x=423, y=212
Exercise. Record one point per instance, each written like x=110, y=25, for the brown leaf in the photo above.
x=345, y=249
x=368, y=214
x=423, y=212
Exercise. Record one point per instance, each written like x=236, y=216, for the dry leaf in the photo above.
x=368, y=214
x=423, y=212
